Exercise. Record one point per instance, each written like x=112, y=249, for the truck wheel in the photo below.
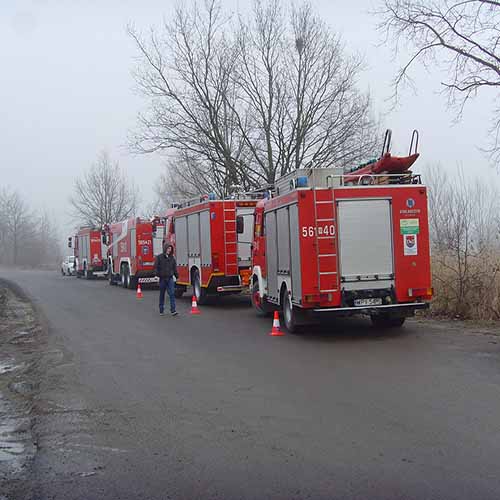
x=125, y=277
x=289, y=314
x=132, y=282
x=381, y=321
x=198, y=291
x=179, y=292
x=259, y=303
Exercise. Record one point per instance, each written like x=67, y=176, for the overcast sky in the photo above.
x=66, y=93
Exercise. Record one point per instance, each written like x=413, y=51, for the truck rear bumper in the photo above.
x=408, y=308
x=230, y=289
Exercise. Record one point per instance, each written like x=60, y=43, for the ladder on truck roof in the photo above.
x=325, y=241
x=230, y=238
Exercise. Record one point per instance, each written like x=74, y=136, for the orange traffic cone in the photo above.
x=194, y=306
x=276, y=332
x=139, y=291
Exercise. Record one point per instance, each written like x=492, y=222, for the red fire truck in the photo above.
x=132, y=246
x=323, y=248
x=212, y=240
x=90, y=253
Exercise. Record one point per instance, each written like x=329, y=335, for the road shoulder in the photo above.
x=23, y=339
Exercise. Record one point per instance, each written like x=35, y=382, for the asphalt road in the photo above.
x=134, y=405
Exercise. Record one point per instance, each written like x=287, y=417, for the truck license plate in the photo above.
x=368, y=302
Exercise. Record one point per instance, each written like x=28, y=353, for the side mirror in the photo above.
x=70, y=244
x=240, y=224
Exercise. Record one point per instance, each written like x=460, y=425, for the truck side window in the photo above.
x=240, y=224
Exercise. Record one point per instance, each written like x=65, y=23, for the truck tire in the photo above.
x=382, y=321
x=289, y=313
x=259, y=304
x=125, y=277
x=132, y=282
x=111, y=280
x=198, y=291
x=179, y=292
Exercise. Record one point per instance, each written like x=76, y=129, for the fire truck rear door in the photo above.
x=365, y=243
x=271, y=254
x=245, y=238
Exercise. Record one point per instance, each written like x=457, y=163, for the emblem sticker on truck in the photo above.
x=410, y=244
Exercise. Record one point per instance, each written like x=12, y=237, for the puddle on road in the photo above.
x=7, y=367
x=10, y=449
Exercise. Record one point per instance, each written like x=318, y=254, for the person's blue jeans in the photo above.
x=167, y=285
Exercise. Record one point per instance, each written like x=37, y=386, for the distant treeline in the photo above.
x=28, y=237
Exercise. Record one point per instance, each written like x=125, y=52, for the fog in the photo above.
x=67, y=93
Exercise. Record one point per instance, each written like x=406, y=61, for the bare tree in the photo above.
x=103, y=194
x=17, y=223
x=466, y=256
x=463, y=36
x=181, y=179
x=245, y=105
x=331, y=120
x=185, y=72
x=47, y=249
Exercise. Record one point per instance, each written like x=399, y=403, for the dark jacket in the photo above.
x=166, y=266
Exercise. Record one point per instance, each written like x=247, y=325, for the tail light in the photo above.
x=311, y=298
x=215, y=262
x=326, y=297
x=421, y=293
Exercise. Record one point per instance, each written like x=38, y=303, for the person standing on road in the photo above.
x=166, y=270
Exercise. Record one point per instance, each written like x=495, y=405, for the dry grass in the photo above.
x=467, y=288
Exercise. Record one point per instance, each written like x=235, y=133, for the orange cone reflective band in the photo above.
x=139, y=291
x=276, y=331
x=194, y=306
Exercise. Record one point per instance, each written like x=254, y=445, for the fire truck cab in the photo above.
x=90, y=253
x=212, y=240
x=323, y=248
x=133, y=245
